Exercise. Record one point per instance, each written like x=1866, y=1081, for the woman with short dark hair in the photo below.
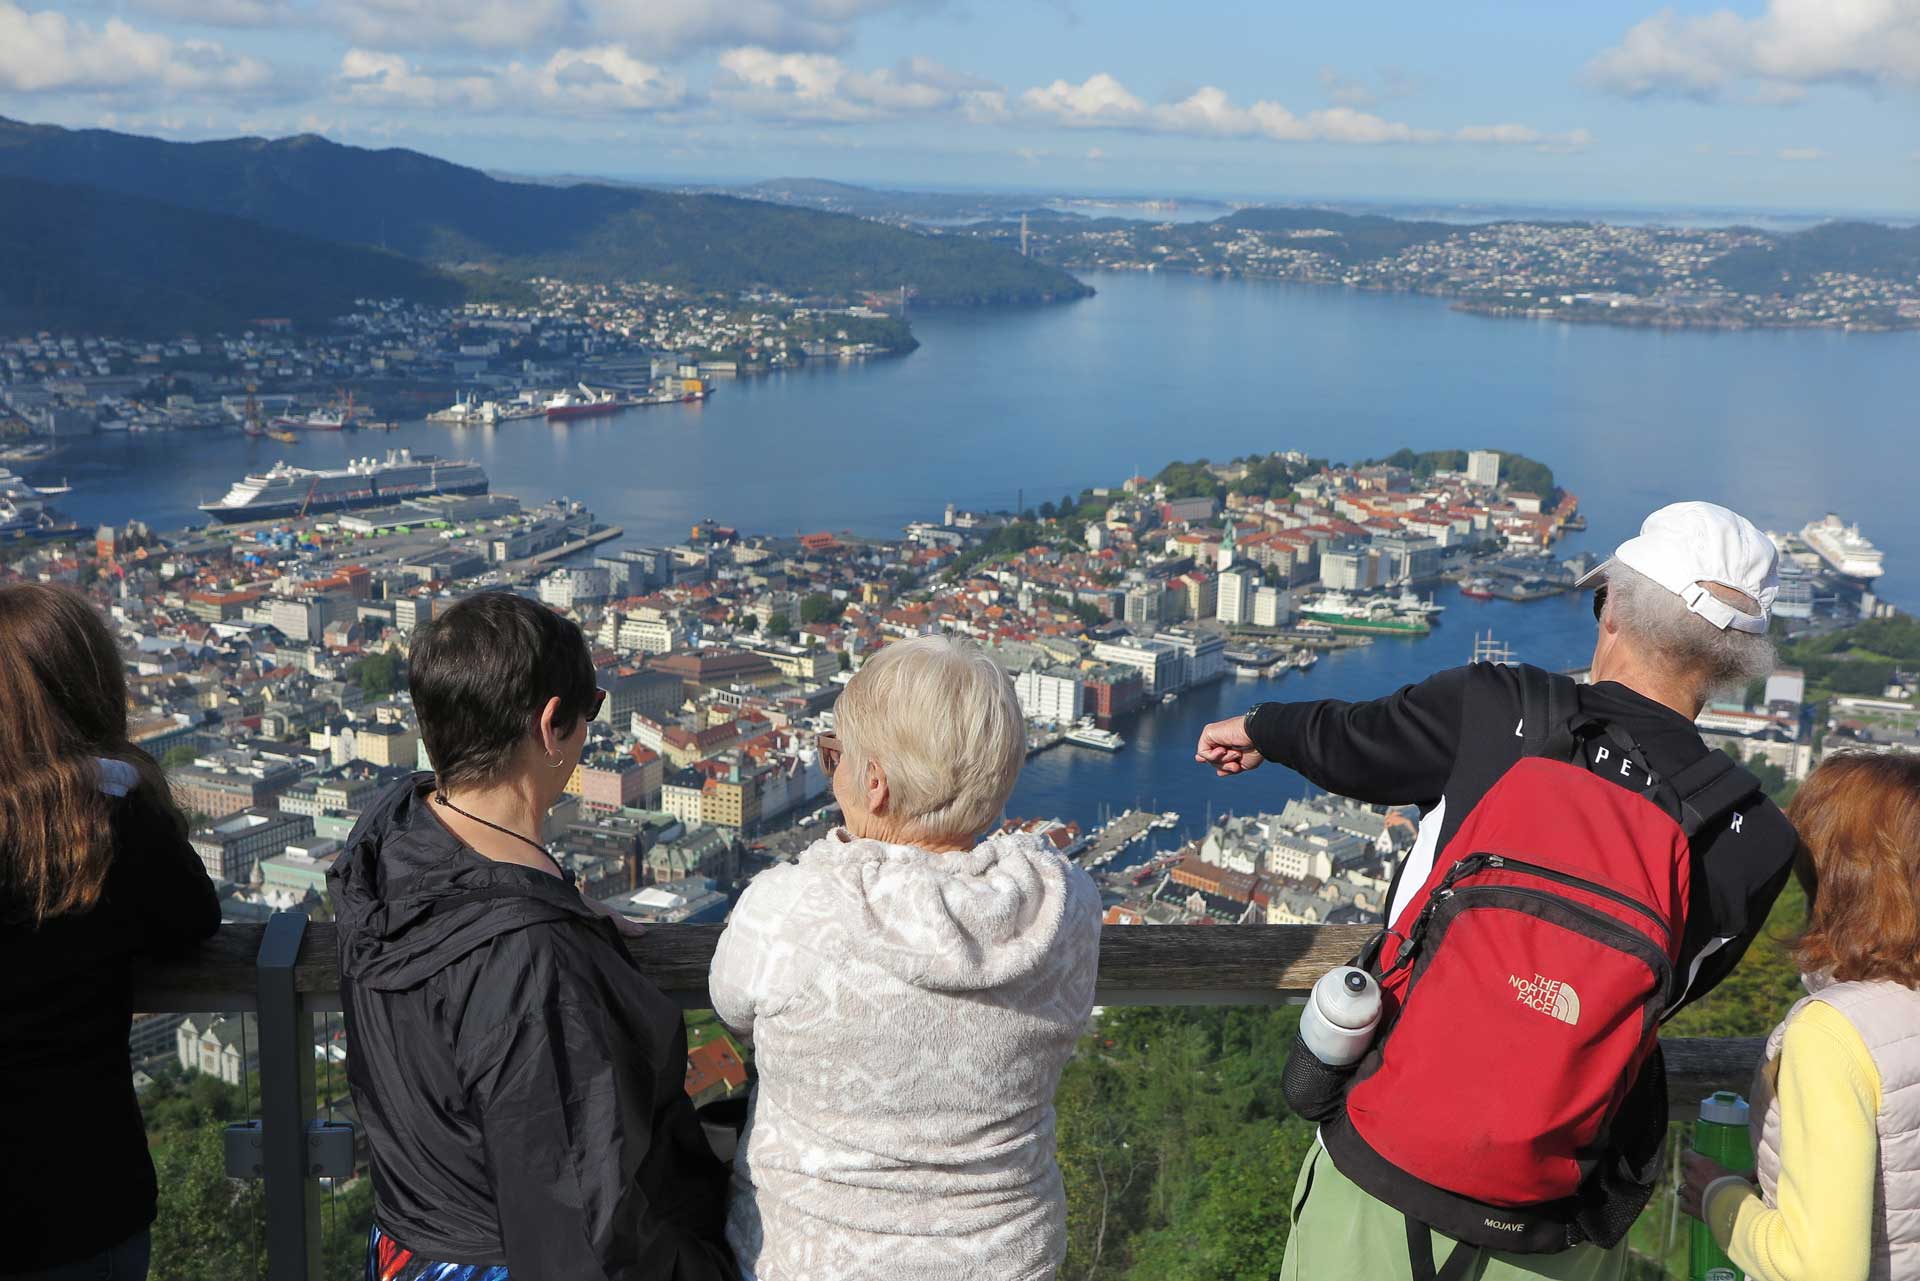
x=519, y=1079
x=95, y=873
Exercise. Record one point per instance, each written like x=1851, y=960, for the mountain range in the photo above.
x=439, y=227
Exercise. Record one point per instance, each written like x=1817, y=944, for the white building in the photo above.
x=1272, y=607
x=1057, y=694
x=1158, y=663
x=1234, y=604
x=1483, y=467
x=649, y=635
x=563, y=588
x=1203, y=655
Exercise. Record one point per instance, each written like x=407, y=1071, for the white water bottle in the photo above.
x=1342, y=1014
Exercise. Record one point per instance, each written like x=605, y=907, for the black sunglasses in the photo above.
x=1599, y=602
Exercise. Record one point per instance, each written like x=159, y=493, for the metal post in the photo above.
x=286, y=1104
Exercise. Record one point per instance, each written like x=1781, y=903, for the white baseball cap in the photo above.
x=1685, y=545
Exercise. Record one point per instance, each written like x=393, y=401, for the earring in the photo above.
x=557, y=764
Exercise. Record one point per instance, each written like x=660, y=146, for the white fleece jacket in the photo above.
x=910, y=1015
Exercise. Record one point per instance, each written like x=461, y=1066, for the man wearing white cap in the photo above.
x=1682, y=612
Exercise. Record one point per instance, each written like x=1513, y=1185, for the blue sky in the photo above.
x=1792, y=104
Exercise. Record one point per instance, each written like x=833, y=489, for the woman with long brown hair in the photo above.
x=1837, y=1104
x=95, y=872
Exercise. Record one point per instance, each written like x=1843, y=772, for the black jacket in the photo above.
x=1443, y=743
x=520, y=1081
x=75, y=1176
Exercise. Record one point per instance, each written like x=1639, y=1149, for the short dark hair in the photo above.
x=481, y=672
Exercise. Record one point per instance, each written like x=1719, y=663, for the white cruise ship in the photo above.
x=284, y=490
x=1843, y=547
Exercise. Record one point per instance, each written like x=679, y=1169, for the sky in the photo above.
x=1771, y=104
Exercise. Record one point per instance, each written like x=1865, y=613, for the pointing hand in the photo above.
x=1225, y=746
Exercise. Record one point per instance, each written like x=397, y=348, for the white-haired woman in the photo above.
x=912, y=992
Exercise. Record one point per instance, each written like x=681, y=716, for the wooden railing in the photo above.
x=1139, y=965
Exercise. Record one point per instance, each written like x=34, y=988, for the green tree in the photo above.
x=377, y=674
x=180, y=754
x=818, y=607
x=779, y=627
x=747, y=624
x=208, y=1228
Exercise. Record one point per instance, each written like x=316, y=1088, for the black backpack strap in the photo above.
x=1420, y=1255
x=1709, y=789
x=1550, y=716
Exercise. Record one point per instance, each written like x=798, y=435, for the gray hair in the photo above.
x=1678, y=640
x=941, y=718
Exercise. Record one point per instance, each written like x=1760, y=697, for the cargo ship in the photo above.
x=587, y=404
x=1844, y=548
x=285, y=490
x=1344, y=613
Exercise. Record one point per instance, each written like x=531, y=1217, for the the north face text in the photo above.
x=1549, y=996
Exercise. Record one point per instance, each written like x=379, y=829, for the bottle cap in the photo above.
x=1723, y=1108
x=1356, y=981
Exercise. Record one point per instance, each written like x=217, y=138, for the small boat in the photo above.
x=284, y=437
x=1478, y=589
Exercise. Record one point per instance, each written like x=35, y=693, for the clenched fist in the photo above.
x=1225, y=746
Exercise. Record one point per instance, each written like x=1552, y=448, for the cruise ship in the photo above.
x=1843, y=547
x=25, y=513
x=285, y=490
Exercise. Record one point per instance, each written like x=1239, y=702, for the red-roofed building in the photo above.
x=714, y=1071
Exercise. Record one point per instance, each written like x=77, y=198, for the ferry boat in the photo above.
x=1344, y=613
x=1844, y=548
x=25, y=512
x=1087, y=734
x=285, y=490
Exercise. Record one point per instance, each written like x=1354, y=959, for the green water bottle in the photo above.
x=1720, y=1135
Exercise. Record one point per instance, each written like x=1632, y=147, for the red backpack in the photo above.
x=1523, y=988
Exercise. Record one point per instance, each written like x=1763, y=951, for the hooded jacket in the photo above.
x=520, y=1082
x=910, y=1013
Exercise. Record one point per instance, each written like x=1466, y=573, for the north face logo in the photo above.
x=1549, y=996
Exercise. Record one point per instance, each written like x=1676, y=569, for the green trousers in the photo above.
x=1341, y=1233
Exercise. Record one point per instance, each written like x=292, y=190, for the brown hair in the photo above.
x=1859, y=817
x=64, y=691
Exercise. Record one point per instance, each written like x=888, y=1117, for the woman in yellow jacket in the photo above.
x=1836, y=1106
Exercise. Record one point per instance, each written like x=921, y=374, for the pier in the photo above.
x=1128, y=829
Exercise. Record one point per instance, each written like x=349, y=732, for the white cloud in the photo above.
x=1795, y=43
x=49, y=52
x=218, y=13
x=785, y=25
x=1102, y=102
x=586, y=82
x=818, y=88
x=1354, y=91
x=660, y=27
x=1800, y=153
x=482, y=24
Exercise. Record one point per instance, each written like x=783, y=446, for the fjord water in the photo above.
x=1783, y=425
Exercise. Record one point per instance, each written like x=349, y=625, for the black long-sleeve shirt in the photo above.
x=1441, y=744
x=75, y=1176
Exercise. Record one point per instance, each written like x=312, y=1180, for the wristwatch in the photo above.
x=1246, y=722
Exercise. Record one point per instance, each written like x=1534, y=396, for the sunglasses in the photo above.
x=1599, y=602
x=829, y=746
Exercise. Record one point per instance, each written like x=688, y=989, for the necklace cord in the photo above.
x=440, y=799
